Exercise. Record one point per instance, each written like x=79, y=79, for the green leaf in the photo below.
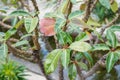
x=83, y=65
x=110, y=61
x=100, y=47
x=65, y=57
x=92, y=22
x=63, y=7
x=105, y=3
x=3, y=11
x=51, y=61
x=75, y=14
x=15, y=20
x=59, y=24
x=30, y=24
x=118, y=53
x=3, y=51
x=88, y=57
x=114, y=6
x=80, y=46
x=111, y=38
x=64, y=37
x=24, y=36
x=20, y=43
x=13, y=30
x=9, y=33
x=115, y=28
x=54, y=15
x=82, y=37
x=17, y=13
x=72, y=72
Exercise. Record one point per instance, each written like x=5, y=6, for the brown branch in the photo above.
x=25, y=5
x=87, y=10
x=5, y=25
x=13, y=40
x=37, y=45
x=35, y=5
x=79, y=71
x=96, y=67
x=61, y=77
x=17, y=51
x=40, y=63
x=93, y=5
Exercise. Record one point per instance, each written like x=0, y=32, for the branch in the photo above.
x=61, y=77
x=96, y=67
x=93, y=5
x=17, y=51
x=25, y=5
x=87, y=10
x=5, y=25
x=13, y=40
x=35, y=5
x=79, y=71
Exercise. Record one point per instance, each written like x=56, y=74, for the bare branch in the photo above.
x=35, y=5
x=96, y=67
x=87, y=10
x=25, y=5
x=5, y=25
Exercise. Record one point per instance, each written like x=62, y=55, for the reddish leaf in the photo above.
x=47, y=26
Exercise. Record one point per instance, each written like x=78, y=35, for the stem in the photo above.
x=87, y=10
x=5, y=25
x=37, y=45
x=61, y=77
x=79, y=71
x=96, y=67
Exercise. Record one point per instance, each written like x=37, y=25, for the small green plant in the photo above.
x=12, y=71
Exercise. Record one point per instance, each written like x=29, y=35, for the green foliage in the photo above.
x=88, y=57
x=13, y=30
x=59, y=24
x=100, y=47
x=105, y=3
x=65, y=58
x=75, y=14
x=3, y=52
x=30, y=24
x=20, y=43
x=114, y=6
x=51, y=61
x=80, y=46
x=82, y=37
x=111, y=60
x=111, y=38
x=83, y=66
x=72, y=72
x=12, y=71
x=64, y=37
x=76, y=38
